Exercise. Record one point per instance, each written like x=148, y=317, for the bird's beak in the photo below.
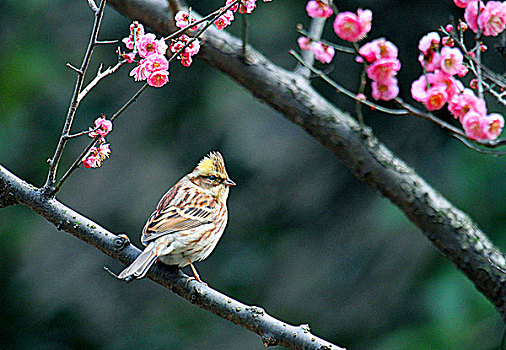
x=229, y=182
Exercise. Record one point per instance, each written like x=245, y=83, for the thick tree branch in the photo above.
x=457, y=236
x=13, y=190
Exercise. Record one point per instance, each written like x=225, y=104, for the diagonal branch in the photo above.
x=13, y=190
x=456, y=235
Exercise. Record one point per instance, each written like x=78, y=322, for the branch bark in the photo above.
x=13, y=190
x=452, y=231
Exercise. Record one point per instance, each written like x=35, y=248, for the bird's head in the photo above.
x=210, y=174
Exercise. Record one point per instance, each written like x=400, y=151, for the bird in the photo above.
x=188, y=221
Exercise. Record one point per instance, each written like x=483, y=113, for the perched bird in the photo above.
x=188, y=221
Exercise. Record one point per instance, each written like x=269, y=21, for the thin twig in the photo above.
x=76, y=164
x=346, y=92
x=49, y=188
x=77, y=70
x=106, y=42
x=471, y=145
x=93, y=6
x=129, y=102
x=244, y=34
x=100, y=76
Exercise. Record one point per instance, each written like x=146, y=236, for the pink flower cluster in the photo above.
x=153, y=65
x=184, y=19
x=243, y=6
x=383, y=65
x=97, y=155
x=189, y=51
x=322, y=52
x=347, y=25
x=438, y=87
x=489, y=18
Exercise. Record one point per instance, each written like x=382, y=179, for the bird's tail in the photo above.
x=141, y=265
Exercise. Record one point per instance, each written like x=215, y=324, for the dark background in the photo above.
x=305, y=240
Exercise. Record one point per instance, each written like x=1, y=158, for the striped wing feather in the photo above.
x=179, y=210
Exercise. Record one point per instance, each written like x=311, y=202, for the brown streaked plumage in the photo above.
x=188, y=221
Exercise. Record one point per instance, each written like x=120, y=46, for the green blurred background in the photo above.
x=306, y=240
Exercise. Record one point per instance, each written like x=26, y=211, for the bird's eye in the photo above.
x=212, y=177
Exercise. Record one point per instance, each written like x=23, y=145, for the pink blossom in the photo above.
x=475, y=125
x=136, y=30
x=96, y=156
x=451, y=60
x=129, y=57
x=353, y=27
x=385, y=90
x=183, y=19
x=383, y=69
x=462, y=3
x=318, y=8
x=186, y=60
x=103, y=127
x=233, y=8
x=440, y=89
x=493, y=18
x=447, y=41
x=495, y=124
x=322, y=52
x=91, y=162
x=245, y=6
x=181, y=41
x=156, y=62
x=471, y=14
x=429, y=42
x=158, y=78
x=140, y=72
x=464, y=102
x=431, y=61
x=304, y=43
x=224, y=20
x=148, y=45
x=436, y=98
x=449, y=27
x=376, y=49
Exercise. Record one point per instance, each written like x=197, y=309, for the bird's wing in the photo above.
x=180, y=210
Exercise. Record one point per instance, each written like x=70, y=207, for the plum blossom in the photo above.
x=493, y=18
x=385, y=90
x=140, y=72
x=383, y=69
x=376, y=49
x=464, y=102
x=304, y=43
x=353, y=27
x=462, y=3
x=322, y=52
x=319, y=9
x=188, y=52
x=158, y=78
x=451, y=61
x=183, y=20
x=96, y=156
x=429, y=42
x=495, y=124
x=224, y=20
x=148, y=45
x=102, y=126
x=156, y=62
x=136, y=31
x=474, y=125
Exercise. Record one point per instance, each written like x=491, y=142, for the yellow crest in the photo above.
x=211, y=163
